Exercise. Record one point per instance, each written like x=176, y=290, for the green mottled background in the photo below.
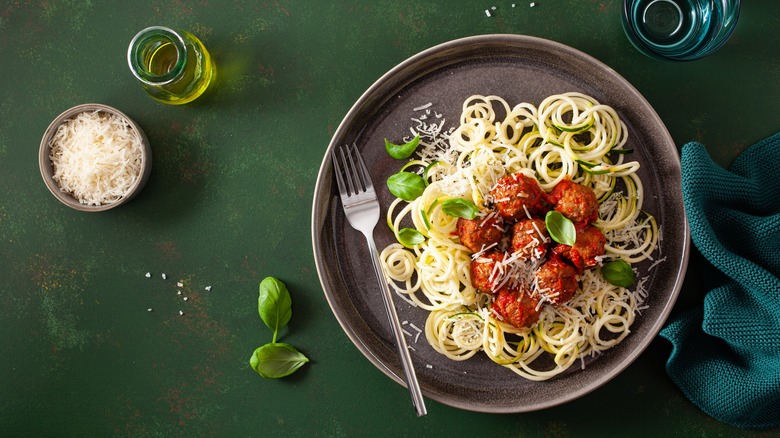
x=228, y=203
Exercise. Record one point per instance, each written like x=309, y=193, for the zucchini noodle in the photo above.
x=567, y=135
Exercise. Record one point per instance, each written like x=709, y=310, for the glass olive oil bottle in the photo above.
x=173, y=65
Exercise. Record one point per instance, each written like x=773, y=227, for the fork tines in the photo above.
x=351, y=173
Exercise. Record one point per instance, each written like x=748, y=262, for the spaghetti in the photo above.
x=567, y=136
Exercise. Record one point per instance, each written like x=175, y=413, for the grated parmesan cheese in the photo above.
x=96, y=157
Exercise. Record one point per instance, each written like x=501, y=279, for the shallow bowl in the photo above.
x=47, y=169
x=519, y=69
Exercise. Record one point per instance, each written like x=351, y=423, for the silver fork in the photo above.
x=361, y=207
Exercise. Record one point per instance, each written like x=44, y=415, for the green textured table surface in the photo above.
x=229, y=202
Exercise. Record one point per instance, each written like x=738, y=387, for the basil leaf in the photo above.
x=561, y=228
x=274, y=304
x=406, y=185
x=277, y=360
x=619, y=273
x=460, y=208
x=410, y=236
x=401, y=151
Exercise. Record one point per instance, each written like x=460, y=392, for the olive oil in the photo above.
x=173, y=66
x=163, y=59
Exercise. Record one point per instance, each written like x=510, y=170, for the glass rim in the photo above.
x=134, y=54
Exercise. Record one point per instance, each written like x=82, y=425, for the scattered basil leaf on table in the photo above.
x=274, y=304
x=458, y=207
x=276, y=359
x=410, y=236
x=406, y=185
x=619, y=273
x=561, y=228
x=401, y=151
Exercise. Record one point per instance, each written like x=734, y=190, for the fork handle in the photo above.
x=395, y=324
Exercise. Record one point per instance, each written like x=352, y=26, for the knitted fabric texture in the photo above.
x=726, y=353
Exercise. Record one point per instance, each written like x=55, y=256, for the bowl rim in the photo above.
x=45, y=166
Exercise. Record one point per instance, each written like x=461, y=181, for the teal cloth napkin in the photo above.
x=726, y=353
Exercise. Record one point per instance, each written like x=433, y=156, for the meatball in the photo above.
x=586, y=250
x=515, y=193
x=575, y=201
x=530, y=238
x=518, y=308
x=477, y=234
x=556, y=280
x=482, y=276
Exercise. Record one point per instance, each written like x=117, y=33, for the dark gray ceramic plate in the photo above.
x=520, y=69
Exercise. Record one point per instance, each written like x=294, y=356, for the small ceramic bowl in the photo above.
x=47, y=170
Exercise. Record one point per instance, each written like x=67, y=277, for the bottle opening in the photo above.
x=157, y=55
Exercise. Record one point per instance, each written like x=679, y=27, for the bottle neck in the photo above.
x=157, y=55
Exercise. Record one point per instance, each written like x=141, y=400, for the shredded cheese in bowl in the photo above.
x=96, y=157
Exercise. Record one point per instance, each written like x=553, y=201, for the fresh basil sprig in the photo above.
x=401, y=151
x=410, y=236
x=406, y=185
x=560, y=228
x=619, y=273
x=276, y=359
x=458, y=207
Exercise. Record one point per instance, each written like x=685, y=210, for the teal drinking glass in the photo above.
x=679, y=30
